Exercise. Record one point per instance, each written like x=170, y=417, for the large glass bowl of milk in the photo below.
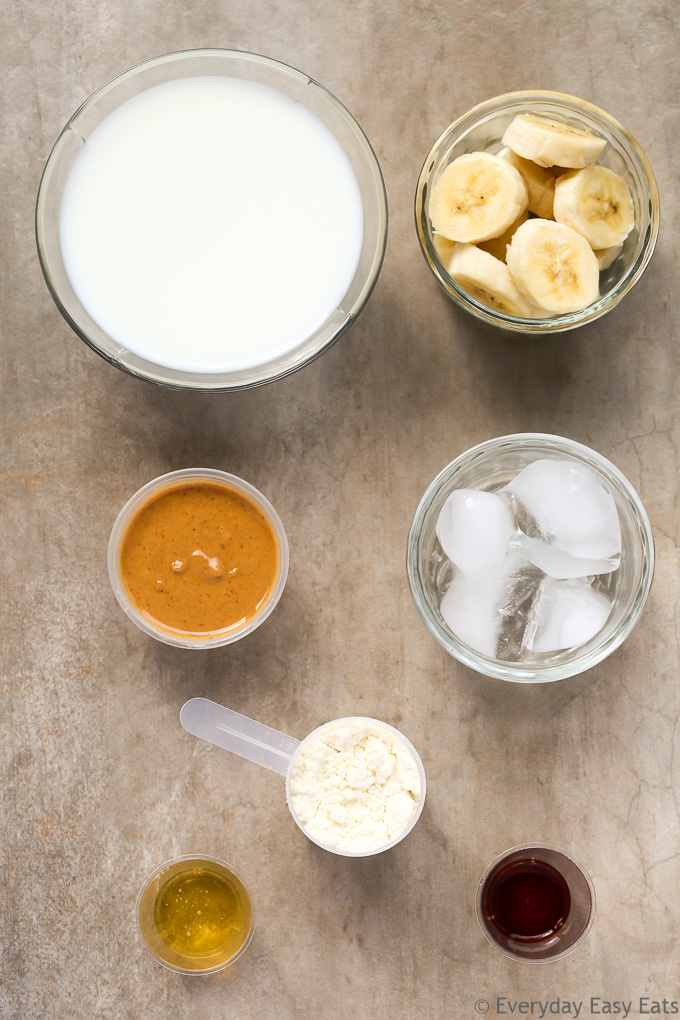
x=211, y=219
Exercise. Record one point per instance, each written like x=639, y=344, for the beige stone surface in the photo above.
x=99, y=782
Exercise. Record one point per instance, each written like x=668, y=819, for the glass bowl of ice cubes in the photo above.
x=530, y=558
x=536, y=212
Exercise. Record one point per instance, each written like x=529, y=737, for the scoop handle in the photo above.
x=235, y=732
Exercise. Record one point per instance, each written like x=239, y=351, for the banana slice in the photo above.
x=496, y=245
x=606, y=256
x=597, y=203
x=478, y=196
x=443, y=247
x=553, y=266
x=540, y=183
x=548, y=143
x=488, y=281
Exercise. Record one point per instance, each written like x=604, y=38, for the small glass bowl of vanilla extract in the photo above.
x=195, y=915
x=535, y=903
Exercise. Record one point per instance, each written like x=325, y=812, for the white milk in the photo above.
x=211, y=224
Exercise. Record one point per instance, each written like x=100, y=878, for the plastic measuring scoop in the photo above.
x=238, y=733
x=276, y=751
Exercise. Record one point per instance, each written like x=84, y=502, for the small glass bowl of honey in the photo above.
x=195, y=915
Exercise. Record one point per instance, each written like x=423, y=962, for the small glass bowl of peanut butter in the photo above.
x=198, y=558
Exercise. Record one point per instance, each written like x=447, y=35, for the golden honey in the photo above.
x=195, y=915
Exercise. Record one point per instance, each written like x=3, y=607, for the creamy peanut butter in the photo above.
x=199, y=558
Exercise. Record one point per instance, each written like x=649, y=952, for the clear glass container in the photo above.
x=481, y=130
x=235, y=64
x=490, y=466
x=206, y=962
x=147, y=494
x=579, y=918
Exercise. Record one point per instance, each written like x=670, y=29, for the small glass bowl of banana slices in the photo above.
x=537, y=212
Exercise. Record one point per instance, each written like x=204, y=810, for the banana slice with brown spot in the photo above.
x=488, y=280
x=553, y=266
x=477, y=196
x=597, y=203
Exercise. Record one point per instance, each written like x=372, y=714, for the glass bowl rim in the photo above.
x=497, y=668
x=205, y=381
x=166, y=482
x=557, y=323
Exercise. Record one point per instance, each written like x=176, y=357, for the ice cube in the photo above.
x=521, y=583
x=565, y=614
x=477, y=611
x=562, y=565
x=440, y=571
x=470, y=610
x=474, y=528
x=521, y=586
x=574, y=511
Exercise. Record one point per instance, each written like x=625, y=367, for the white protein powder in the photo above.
x=355, y=785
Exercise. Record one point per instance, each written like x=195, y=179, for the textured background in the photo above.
x=99, y=783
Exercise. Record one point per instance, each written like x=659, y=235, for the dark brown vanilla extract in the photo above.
x=527, y=900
